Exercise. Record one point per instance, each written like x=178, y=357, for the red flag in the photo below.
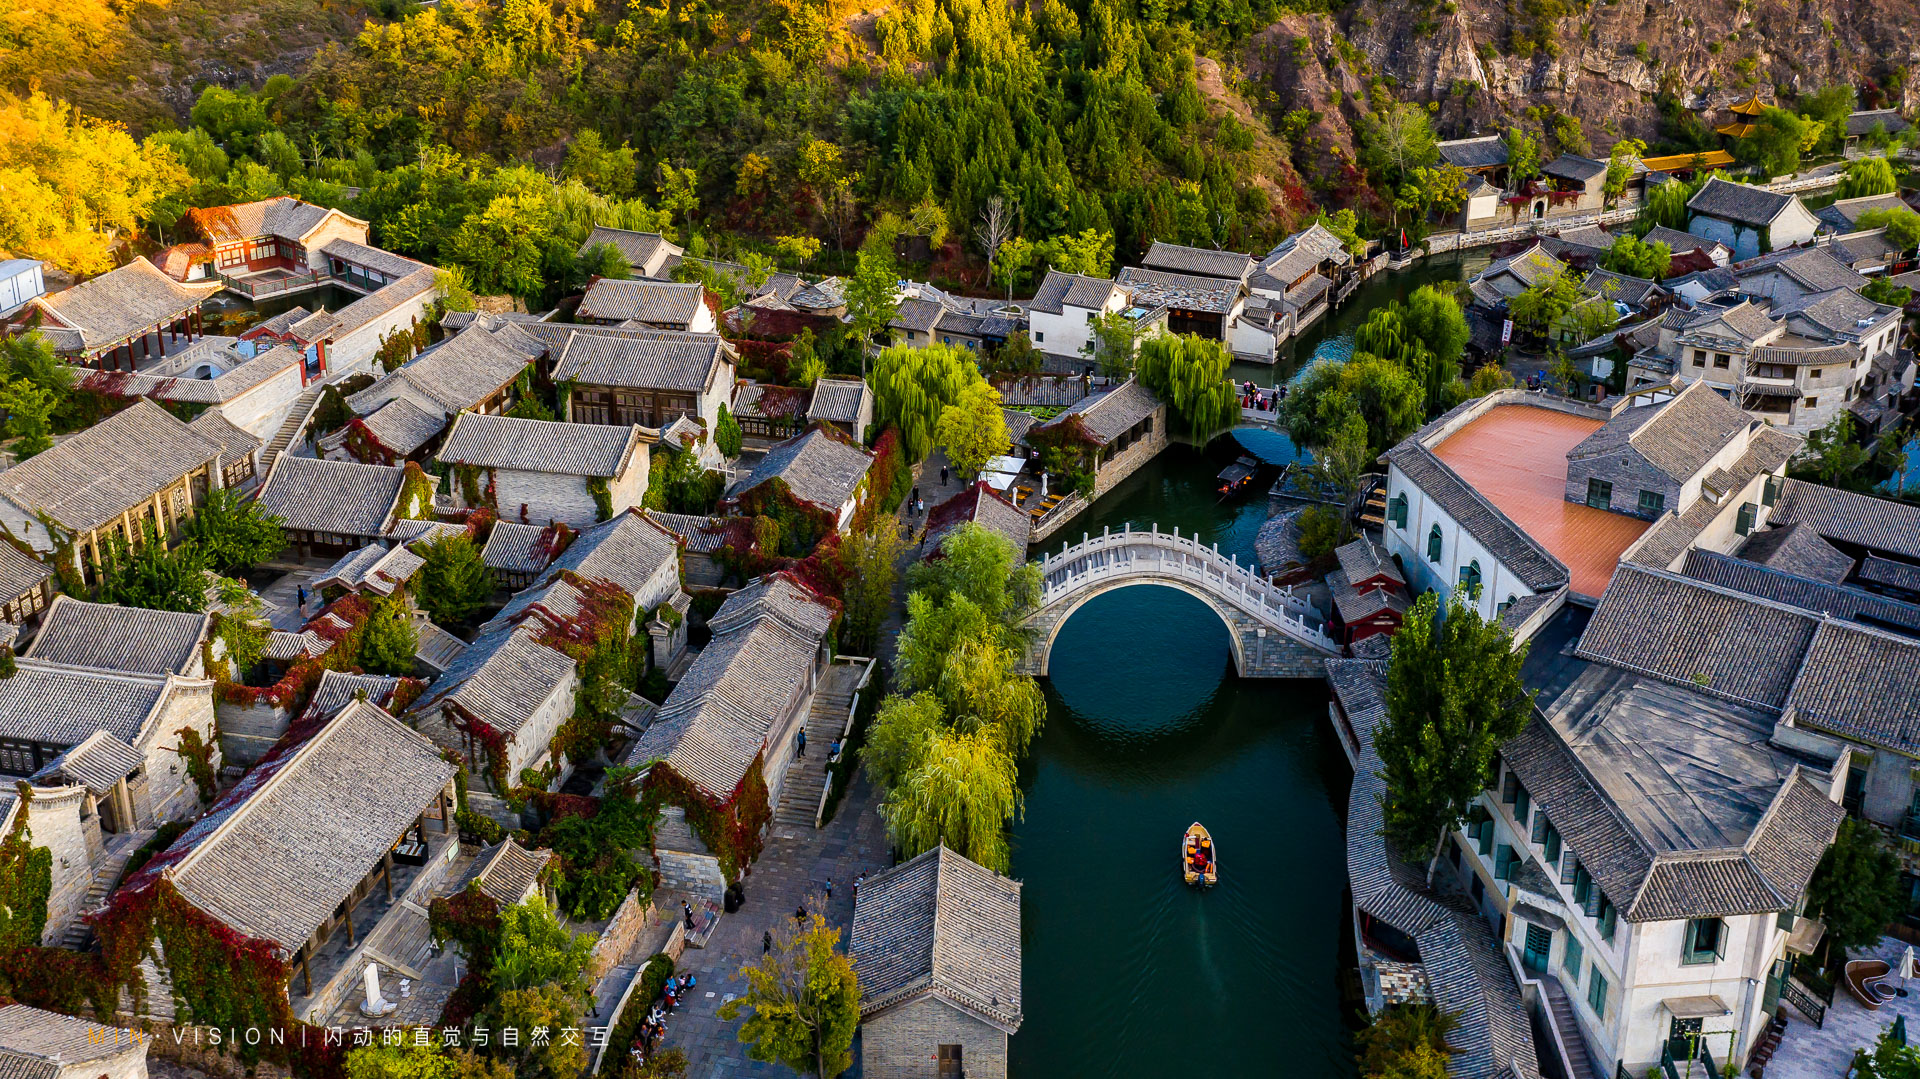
x=1403, y=239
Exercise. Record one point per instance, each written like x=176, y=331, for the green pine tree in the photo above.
x=387, y=639
x=454, y=583
x=1453, y=696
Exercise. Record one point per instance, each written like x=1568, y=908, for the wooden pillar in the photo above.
x=350, y=940
x=420, y=828
x=442, y=801
x=386, y=872
x=306, y=974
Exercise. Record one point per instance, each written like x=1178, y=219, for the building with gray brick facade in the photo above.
x=937, y=942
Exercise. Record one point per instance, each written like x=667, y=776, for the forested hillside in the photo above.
x=489, y=135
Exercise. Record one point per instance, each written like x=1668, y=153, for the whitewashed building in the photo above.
x=542, y=471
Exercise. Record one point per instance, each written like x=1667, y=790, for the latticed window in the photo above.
x=1573, y=956
x=1470, y=577
x=1397, y=510
x=1597, y=992
x=1744, y=524
x=1434, y=543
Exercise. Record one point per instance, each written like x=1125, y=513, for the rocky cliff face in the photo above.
x=1604, y=64
x=1484, y=62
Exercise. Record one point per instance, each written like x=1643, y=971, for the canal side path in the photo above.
x=796, y=864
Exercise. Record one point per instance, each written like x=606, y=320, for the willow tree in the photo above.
x=913, y=386
x=962, y=794
x=973, y=430
x=986, y=694
x=1190, y=374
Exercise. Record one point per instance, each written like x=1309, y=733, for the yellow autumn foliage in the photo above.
x=73, y=187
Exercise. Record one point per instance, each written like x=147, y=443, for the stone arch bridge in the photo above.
x=1275, y=633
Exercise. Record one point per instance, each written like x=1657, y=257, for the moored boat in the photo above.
x=1199, y=861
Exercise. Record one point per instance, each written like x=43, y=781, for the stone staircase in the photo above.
x=79, y=935
x=303, y=408
x=807, y=776
x=1569, y=1026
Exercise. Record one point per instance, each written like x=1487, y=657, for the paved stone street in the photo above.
x=794, y=869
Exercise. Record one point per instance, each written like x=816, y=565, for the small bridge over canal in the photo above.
x=1275, y=632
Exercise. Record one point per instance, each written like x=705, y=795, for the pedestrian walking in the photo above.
x=829, y=888
x=800, y=913
x=303, y=599
x=857, y=882
x=688, y=908
x=766, y=943
x=802, y=739
x=943, y=475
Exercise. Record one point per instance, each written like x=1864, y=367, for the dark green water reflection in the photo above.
x=1127, y=971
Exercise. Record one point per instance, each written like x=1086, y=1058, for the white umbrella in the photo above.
x=1908, y=969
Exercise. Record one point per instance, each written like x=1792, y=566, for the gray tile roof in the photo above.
x=766, y=641
x=625, y=552
x=1864, y=121
x=341, y=497
x=1154, y=288
x=366, y=309
x=1200, y=261
x=1843, y=213
x=1364, y=559
x=372, y=258
x=1677, y=437
x=684, y=362
x=279, y=860
x=96, y=763
x=372, y=568
x=1739, y=203
x=281, y=216
x=980, y=505
x=700, y=534
x=1841, y=313
x=1679, y=242
x=1487, y=151
x=1574, y=167
x=458, y=373
x=37, y=1044
x=816, y=466
x=943, y=926
x=1877, y=524
x=515, y=548
x=914, y=313
x=119, y=303
x=1745, y=323
x=1797, y=549
x=337, y=689
x=20, y=572
x=1813, y=268
x=1061, y=290
x=1886, y=572
x=1676, y=804
x=1798, y=590
x=669, y=302
x=234, y=442
x=563, y=449
x=1632, y=291
x=1018, y=424
x=402, y=427
x=62, y=706
x=1354, y=605
x=115, y=638
x=506, y=872
x=840, y=400
x=1109, y=415
x=1768, y=448
x=1860, y=683
x=109, y=468
x=1492, y=529
x=1724, y=643
x=638, y=247
x=503, y=678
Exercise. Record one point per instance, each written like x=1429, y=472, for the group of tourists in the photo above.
x=1252, y=397
x=654, y=1028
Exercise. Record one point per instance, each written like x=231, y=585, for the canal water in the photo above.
x=1127, y=972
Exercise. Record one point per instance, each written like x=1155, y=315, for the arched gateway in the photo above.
x=1276, y=634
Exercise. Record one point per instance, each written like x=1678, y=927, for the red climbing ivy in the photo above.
x=732, y=828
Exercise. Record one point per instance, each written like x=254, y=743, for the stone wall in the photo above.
x=904, y=1042
x=55, y=819
x=617, y=939
x=685, y=863
x=248, y=731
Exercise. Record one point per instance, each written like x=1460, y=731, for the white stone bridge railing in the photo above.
x=1114, y=558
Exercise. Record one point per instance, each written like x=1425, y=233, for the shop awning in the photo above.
x=1805, y=936
x=1706, y=1007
